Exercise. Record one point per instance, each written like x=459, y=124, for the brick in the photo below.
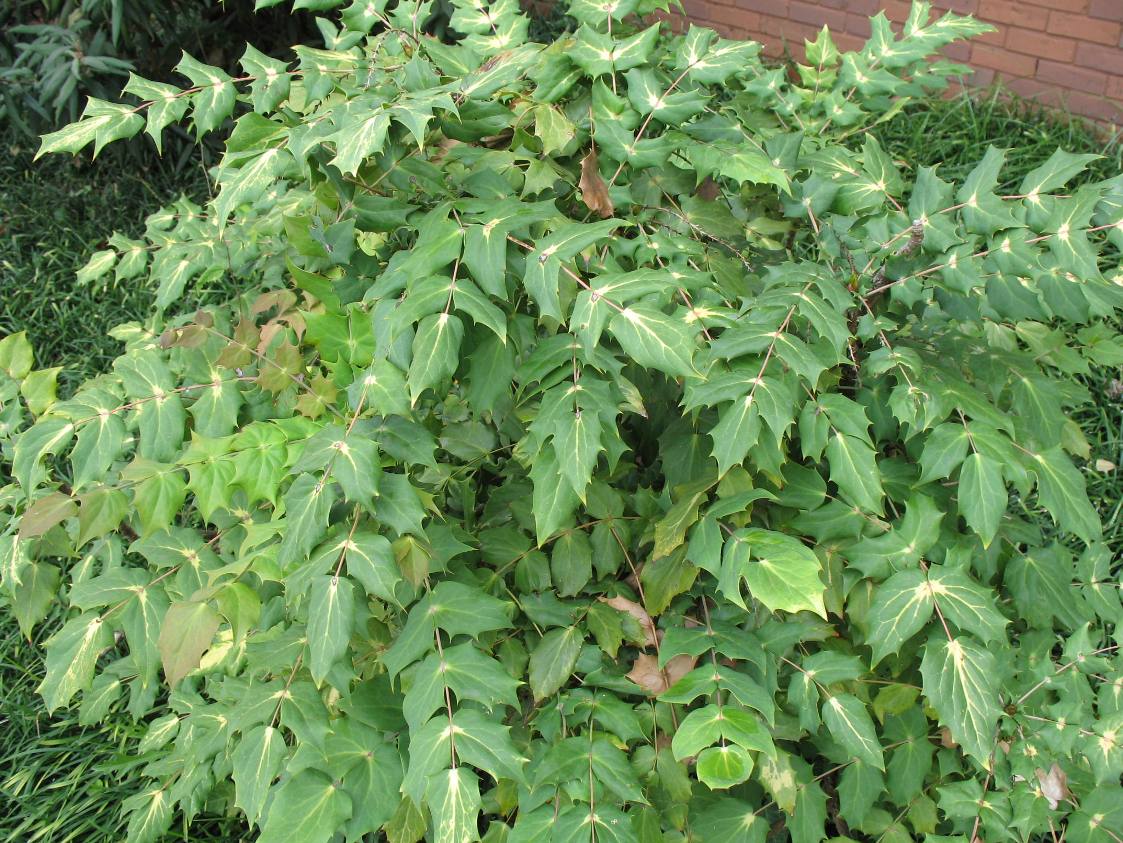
x=858, y=7
x=1089, y=105
x=960, y=7
x=1115, y=87
x=770, y=8
x=997, y=38
x=1061, y=5
x=736, y=18
x=1107, y=10
x=1071, y=76
x=1040, y=44
x=816, y=15
x=1028, y=88
x=982, y=77
x=1084, y=28
x=1013, y=13
x=1005, y=62
x=1107, y=59
x=847, y=42
x=794, y=35
x=697, y=10
x=959, y=51
x=897, y=10
x=859, y=27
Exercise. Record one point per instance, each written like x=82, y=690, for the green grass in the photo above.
x=60, y=781
x=957, y=132
x=58, y=211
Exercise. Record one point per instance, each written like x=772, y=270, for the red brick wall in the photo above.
x=1060, y=52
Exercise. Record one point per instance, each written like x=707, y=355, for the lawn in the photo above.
x=62, y=780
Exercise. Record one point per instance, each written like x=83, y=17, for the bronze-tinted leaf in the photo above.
x=594, y=191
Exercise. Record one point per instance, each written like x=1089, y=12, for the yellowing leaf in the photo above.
x=186, y=634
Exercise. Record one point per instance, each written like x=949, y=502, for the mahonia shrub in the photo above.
x=612, y=443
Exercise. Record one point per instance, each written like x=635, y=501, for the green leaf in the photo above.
x=13, y=560
x=982, y=496
x=721, y=767
x=72, y=653
x=100, y=124
x=967, y=604
x=1056, y=172
x=436, y=352
x=456, y=608
x=214, y=101
x=307, y=808
x=469, y=673
x=248, y=182
x=704, y=726
x=944, y=450
x=654, y=340
x=270, y=85
x=359, y=140
x=150, y=814
x=961, y=682
x=46, y=437
x=736, y=432
x=257, y=760
x=100, y=441
x=307, y=506
x=188, y=631
x=487, y=746
x=577, y=444
x=331, y=616
x=553, y=661
x=859, y=788
x=665, y=579
x=901, y=607
x=167, y=105
x=854, y=470
x=571, y=563
x=553, y=501
x=33, y=596
x=158, y=494
x=16, y=355
x=851, y=725
x=454, y=802
x=780, y=571
x=1063, y=492
x=611, y=767
x=98, y=265
x=727, y=819
x=552, y=128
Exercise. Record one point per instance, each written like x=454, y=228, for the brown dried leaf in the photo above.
x=708, y=189
x=280, y=299
x=1054, y=785
x=594, y=191
x=269, y=332
x=946, y=740
x=623, y=604
x=647, y=674
x=678, y=667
